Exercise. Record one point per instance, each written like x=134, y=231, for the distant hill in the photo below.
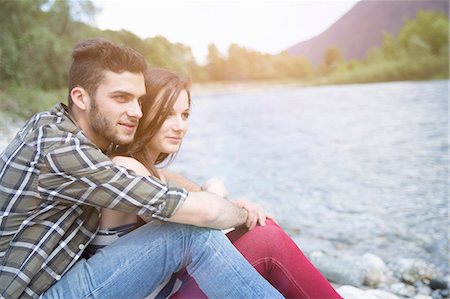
x=361, y=28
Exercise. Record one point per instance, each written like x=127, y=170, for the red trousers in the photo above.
x=278, y=259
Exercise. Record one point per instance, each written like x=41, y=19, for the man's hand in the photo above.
x=256, y=214
x=215, y=186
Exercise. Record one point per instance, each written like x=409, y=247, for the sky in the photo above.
x=264, y=26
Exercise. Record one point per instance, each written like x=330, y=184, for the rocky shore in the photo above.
x=370, y=277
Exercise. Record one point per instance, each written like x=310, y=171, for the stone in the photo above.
x=444, y=293
x=438, y=283
x=381, y=294
x=436, y=295
x=423, y=289
x=402, y=289
x=413, y=270
x=339, y=270
x=351, y=292
x=372, y=261
x=372, y=277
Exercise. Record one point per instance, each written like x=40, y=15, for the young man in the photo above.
x=54, y=176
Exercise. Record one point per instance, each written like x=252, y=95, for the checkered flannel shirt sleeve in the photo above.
x=80, y=173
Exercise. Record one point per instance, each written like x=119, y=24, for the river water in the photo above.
x=347, y=169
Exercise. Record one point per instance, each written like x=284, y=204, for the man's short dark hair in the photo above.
x=94, y=56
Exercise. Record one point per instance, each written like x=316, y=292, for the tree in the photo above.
x=216, y=64
x=332, y=57
x=429, y=30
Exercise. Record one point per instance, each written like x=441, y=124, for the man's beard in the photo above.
x=101, y=126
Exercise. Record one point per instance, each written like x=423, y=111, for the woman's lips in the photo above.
x=174, y=139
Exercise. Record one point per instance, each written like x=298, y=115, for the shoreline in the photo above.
x=369, y=277
x=208, y=88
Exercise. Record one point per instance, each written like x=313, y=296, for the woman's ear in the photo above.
x=80, y=97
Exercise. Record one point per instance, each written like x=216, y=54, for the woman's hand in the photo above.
x=256, y=213
x=215, y=186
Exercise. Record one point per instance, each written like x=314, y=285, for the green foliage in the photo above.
x=216, y=64
x=37, y=37
x=297, y=67
x=419, y=52
x=427, y=34
x=395, y=70
x=24, y=101
x=36, y=41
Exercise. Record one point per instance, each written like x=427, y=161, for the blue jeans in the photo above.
x=134, y=265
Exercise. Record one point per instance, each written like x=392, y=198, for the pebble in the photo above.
x=436, y=295
x=381, y=294
x=351, y=292
x=413, y=270
x=445, y=293
x=438, y=283
x=338, y=269
x=402, y=289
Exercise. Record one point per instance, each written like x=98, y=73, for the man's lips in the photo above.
x=129, y=127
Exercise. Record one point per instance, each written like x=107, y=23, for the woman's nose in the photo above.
x=179, y=124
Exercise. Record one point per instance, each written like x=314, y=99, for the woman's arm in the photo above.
x=212, y=185
x=180, y=181
x=256, y=213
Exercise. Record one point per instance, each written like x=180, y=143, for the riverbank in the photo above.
x=207, y=88
x=370, y=277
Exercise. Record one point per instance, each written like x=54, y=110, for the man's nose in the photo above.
x=135, y=109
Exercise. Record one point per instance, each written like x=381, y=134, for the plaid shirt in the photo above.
x=52, y=182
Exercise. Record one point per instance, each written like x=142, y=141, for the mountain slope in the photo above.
x=361, y=28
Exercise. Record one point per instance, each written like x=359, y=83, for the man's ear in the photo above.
x=80, y=97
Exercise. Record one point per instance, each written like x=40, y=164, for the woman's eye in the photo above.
x=185, y=115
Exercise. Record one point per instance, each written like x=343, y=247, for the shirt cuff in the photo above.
x=175, y=197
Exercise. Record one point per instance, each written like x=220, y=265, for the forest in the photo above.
x=37, y=37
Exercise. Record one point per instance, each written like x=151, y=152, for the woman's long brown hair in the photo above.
x=163, y=88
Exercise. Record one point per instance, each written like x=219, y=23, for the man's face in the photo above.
x=115, y=108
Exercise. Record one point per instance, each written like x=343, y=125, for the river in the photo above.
x=347, y=169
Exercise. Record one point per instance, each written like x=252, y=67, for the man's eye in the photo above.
x=120, y=97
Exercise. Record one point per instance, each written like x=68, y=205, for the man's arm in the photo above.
x=199, y=208
x=209, y=210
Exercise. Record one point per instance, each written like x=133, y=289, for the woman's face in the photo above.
x=169, y=137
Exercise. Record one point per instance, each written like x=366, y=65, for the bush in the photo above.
x=23, y=102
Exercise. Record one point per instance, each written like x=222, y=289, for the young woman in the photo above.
x=262, y=242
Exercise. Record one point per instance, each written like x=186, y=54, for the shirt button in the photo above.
x=58, y=277
x=81, y=246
